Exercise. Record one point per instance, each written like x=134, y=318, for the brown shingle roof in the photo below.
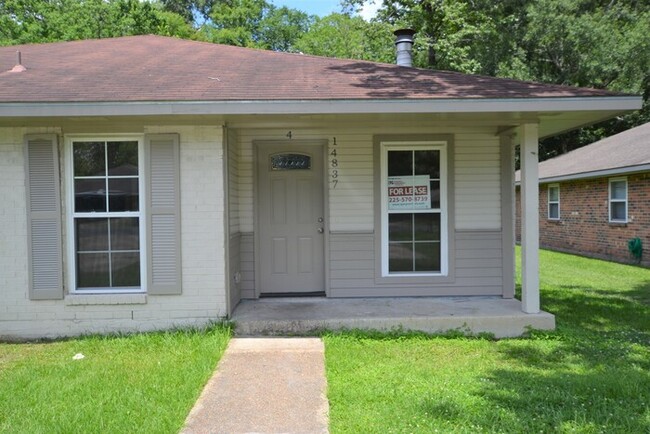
x=623, y=152
x=156, y=68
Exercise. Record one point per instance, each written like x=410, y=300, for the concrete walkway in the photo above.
x=264, y=385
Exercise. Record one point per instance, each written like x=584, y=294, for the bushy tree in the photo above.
x=282, y=27
x=30, y=21
x=345, y=36
x=255, y=23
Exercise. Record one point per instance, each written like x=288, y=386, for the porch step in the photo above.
x=306, y=316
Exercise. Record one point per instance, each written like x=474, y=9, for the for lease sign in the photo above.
x=409, y=192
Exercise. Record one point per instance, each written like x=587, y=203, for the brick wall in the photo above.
x=584, y=226
x=204, y=293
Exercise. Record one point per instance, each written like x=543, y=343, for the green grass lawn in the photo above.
x=591, y=375
x=142, y=383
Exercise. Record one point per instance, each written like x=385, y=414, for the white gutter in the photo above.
x=471, y=105
x=595, y=174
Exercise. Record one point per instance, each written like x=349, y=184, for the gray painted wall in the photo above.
x=478, y=259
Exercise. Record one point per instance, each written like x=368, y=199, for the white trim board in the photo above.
x=465, y=105
x=618, y=171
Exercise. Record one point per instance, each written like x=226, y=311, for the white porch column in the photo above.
x=529, y=138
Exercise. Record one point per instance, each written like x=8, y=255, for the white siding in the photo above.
x=477, y=178
x=351, y=203
x=203, y=298
x=233, y=182
x=234, y=273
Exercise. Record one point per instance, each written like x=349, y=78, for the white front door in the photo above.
x=290, y=218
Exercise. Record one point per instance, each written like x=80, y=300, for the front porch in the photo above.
x=299, y=316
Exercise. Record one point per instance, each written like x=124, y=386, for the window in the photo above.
x=413, y=192
x=107, y=220
x=290, y=162
x=618, y=200
x=554, y=202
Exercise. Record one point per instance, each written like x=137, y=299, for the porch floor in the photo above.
x=300, y=316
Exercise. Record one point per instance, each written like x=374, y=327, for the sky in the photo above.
x=325, y=7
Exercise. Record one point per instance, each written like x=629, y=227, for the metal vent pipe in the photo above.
x=404, y=46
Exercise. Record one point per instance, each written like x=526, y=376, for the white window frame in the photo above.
x=440, y=146
x=611, y=200
x=71, y=214
x=553, y=202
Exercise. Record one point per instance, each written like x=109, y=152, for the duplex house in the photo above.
x=150, y=182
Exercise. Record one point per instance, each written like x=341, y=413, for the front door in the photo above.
x=290, y=218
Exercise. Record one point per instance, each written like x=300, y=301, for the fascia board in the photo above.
x=471, y=105
x=595, y=174
x=598, y=174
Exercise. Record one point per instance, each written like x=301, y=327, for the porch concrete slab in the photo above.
x=302, y=316
x=264, y=385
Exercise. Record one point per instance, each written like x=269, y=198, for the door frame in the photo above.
x=296, y=143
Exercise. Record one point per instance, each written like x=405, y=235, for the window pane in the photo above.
x=427, y=227
x=90, y=195
x=553, y=194
x=123, y=194
x=88, y=158
x=435, y=194
x=126, y=269
x=92, y=235
x=125, y=234
x=400, y=163
x=400, y=257
x=427, y=163
x=618, y=211
x=427, y=256
x=122, y=158
x=618, y=190
x=400, y=227
x=290, y=162
x=553, y=211
x=92, y=270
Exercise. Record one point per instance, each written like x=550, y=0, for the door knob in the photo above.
x=320, y=219
x=321, y=230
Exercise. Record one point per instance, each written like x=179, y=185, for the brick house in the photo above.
x=148, y=182
x=595, y=199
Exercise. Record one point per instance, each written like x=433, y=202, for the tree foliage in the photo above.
x=255, y=23
x=30, y=21
x=351, y=37
x=587, y=43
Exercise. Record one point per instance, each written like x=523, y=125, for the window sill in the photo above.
x=414, y=280
x=618, y=224
x=106, y=299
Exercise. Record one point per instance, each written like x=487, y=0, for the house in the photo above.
x=150, y=182
x=596, y=199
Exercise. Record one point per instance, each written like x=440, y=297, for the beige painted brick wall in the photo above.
x=204, y=294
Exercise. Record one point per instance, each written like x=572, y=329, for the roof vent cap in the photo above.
x=404, y=46
x=19, y=66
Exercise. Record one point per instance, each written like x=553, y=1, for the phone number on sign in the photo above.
x=407, y=199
